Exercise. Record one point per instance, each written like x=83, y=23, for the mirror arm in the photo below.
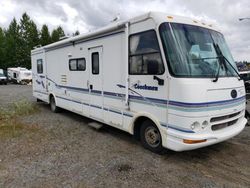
x=160, y=81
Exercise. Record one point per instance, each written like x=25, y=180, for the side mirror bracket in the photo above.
x=160, y=81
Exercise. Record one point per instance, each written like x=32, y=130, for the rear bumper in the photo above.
x=174, y=139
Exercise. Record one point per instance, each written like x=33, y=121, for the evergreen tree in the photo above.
x=76, y=33
x=13, y=45
x=2, y=48
x=30, y=39
x=17, y=41
x=45, y=36
x=57, y=34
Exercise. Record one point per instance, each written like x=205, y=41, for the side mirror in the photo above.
x=160, y=81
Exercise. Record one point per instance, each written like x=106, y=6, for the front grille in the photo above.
x=221, y=122
x=223, y=125
x=221, y=118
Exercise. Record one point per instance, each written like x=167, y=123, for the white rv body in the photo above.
x=19, y=75
x=183, y=109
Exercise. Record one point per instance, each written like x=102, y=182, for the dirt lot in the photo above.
x=60, y=150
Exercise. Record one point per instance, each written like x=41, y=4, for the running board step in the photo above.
x=95, y=125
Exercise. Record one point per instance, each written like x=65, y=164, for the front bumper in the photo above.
x=3, y=81
x=174, y=138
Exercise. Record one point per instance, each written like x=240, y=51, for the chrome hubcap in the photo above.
x=152, y=136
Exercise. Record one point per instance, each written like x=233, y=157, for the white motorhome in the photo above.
x=19, y=75
x=169, y=80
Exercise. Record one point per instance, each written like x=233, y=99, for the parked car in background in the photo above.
x=20, y=75
x=3, y=78
x=245, y=75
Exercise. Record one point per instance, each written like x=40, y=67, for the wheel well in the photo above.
x=137, y=126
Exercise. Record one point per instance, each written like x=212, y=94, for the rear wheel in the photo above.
x=53, y=106
x=151, y=137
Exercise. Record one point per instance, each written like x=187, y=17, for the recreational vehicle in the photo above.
x=19, y=75
x=170, y=81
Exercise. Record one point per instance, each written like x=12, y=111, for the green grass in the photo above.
x=10, y=125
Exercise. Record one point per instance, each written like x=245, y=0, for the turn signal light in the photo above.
x=193, y=141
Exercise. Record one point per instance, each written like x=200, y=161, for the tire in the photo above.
x=151, y=137
x=53, y=106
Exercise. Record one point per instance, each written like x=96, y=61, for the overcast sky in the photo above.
x=85, y=15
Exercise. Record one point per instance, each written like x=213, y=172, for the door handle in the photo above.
x=91, y=86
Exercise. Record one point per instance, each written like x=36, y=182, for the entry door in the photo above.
x=95, y=83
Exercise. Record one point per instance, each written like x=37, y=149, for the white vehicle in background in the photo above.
x=3, y=78
x=170, y=81
x=19, y=75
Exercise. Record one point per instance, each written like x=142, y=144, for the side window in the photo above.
x=81, y=64
x=144, y=54
x=95, y=63
x=39, y=66
x=77, y=64
x=72, y=65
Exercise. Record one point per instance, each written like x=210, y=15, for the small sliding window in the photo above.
x=77, y=64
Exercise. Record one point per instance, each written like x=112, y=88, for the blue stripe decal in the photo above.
x=99, y=107
x=86, y=104
x=115, y=111
x=176, y=105
x=69, y=100
x=177, y=128
x=96, y=92
x=127, y=114
x=41, y=92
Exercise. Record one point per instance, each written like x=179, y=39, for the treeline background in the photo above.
x=17, y=41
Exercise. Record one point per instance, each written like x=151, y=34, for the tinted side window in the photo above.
x=77, y=64
x=144, y=54
x=95, y=63
x=39, y=66
x=81, y=64
x=72, y=64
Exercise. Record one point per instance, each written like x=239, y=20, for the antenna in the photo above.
x=117, y=18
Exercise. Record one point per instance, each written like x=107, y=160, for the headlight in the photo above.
x=195, y=125
x=204, y=124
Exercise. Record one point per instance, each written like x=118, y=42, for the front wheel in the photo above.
x=151, y=137
x=53, y=106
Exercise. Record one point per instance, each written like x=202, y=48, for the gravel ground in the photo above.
x=60, y=150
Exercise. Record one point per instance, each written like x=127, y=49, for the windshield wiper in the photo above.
x=223, y=60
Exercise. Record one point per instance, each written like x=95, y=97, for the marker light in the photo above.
x=170, y=17
x=193, y=141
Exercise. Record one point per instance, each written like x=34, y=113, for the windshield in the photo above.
x=190, y=51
